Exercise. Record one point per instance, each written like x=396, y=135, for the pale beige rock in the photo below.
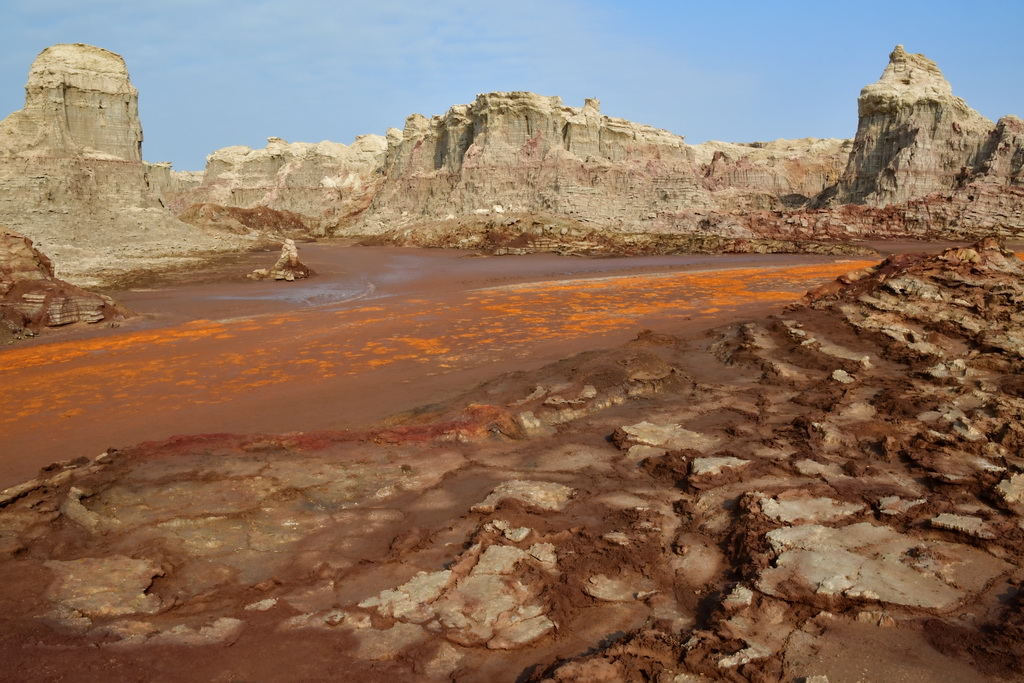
x=914, y=136
x=288, y=266
x=498, y=559
x=800, y=509
x=261, y=605
x=622, y=588
x=320, y=620
x=866, y=562
x=514, y=534
x=78, y=102
x=73, y=176
x=843, y=377
x=104, y=587
x=544, y=553
x=521, y=633
x=411, y=601
x=223, y=630
x=1011, y=489
x=665, y=437
x=965, y=524
x=715, y=465
x=545, y=495
x=73, y=509
x=325, y=182
x=894, y=505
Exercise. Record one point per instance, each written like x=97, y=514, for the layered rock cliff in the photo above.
x=72, y=172
x=527, y=153
x=326, y=183
x=523, y=169
x=519, y=168
x=914, y=137
x=515, y=153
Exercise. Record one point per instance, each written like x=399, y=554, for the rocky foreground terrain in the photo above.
x=835, y=492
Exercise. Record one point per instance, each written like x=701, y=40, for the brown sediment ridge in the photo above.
x=768, y=502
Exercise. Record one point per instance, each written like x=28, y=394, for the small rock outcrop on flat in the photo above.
x=72, y=171
x=768, y=502
x=31, y=298
x=288, y=266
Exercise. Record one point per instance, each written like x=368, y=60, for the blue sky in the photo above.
x=214, y=73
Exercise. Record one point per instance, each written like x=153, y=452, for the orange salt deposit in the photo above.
x=314, y=367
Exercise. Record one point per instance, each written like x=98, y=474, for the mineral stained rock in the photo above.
x=73, y=176
x=32, y=298
x=324, y=183
x=509, y=173
x=779, y=524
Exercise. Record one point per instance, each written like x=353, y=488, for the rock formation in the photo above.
x=78, y=102
x=512, y=172
x=73, y=177
x=325, y=183
x=288, y=266
x=767, y=502
x=914, y=138
x=923, y=165
x=31, y=298
x=517, y=153
x=259, y=220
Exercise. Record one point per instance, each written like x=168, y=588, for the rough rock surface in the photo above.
x=509, y=173
x=73, y=177
x=519, y=172
x=288, y=266
x=326, y=183
x=31, y=298
x=778, y=525
x=914, y=137
x=260, y=221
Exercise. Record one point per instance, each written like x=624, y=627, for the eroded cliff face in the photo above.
x=518, y=153
x=326, y=183
x=544, y=175
x=914, y=137
x=78, y=101
x=71, y=169
x=527, y=153
x=923, y=165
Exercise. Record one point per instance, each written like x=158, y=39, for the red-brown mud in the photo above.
x=831, y=490
x=378, y=332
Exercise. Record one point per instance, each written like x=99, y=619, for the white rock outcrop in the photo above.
x=914, y=136
x=72, y=170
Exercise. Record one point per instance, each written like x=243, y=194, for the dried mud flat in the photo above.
x=834, y=492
